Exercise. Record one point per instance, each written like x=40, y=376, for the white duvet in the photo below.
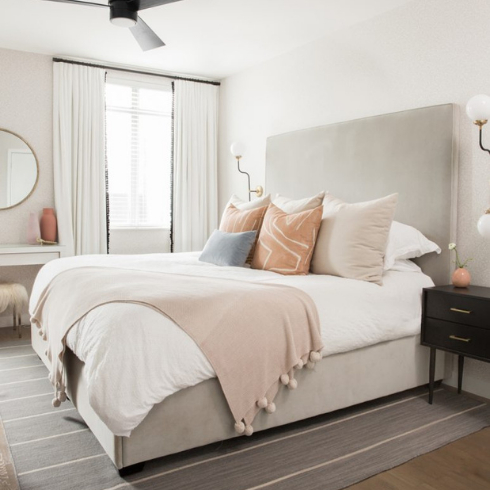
x=135, y=357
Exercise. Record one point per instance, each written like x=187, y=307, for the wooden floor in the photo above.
x=7, y=334
x=462, y=465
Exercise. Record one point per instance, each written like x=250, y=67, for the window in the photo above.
x=139, y=119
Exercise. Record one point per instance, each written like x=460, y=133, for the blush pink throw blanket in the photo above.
x=253, y=334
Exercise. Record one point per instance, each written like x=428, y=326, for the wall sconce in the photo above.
x=484, y=224
x=237, y=150
x=478, y=110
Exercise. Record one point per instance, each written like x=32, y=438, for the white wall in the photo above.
x=26, y=99
x=425, y=53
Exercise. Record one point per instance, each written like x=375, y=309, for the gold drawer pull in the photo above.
x=461, y=339
x=457, y=310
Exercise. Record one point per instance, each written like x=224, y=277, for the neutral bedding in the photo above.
x=135, y=357
x=251, y=360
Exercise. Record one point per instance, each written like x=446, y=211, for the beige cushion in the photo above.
x=353, y=237
x=236, y=220
x=298, y=205
x=254, y=204
x=286, y=241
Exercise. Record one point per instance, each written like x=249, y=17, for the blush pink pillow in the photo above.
x=236, y=220
x=286, y=241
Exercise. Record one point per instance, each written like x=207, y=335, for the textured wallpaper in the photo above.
x=425, y=53
x=26, y=99
x=26, y=108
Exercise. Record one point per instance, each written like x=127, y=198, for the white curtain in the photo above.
x=79, y=158
x=195, y=192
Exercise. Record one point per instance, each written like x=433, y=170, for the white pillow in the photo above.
x=291, y=206
x=406, y=242
x=405, y=265
x=260, y=202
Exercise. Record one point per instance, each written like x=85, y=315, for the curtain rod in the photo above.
x=138, y=72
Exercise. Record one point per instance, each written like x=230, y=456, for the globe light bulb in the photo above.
x=484, y=225
x=237, y=149
x=478, y=108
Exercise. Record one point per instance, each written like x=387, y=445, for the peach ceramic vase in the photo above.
x=48, y=225
x=461, y=278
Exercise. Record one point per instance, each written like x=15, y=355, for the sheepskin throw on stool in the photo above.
x=15, y=296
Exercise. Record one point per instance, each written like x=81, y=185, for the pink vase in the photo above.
x=461, y=278
x=48, y=225
x=33, y=231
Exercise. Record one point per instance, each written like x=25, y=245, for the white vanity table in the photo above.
x=19, y=164
x=23, y=254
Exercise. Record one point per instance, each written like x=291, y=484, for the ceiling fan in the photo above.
x=124, y=13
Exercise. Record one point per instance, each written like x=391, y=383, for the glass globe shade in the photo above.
x=484, y=226
x=237, y=149
x=478, y=108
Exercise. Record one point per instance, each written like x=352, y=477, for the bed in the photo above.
x=412, y=153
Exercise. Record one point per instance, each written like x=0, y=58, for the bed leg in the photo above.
x=131, y=470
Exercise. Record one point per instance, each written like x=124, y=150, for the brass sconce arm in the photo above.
x=480, y=123
x=258, y=190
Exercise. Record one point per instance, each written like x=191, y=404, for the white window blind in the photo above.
x=139, y=135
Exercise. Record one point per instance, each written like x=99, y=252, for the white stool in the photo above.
x=15, y=296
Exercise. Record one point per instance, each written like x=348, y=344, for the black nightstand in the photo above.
x=456, y=320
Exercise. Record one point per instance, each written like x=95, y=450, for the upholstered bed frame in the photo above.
x=412, y=153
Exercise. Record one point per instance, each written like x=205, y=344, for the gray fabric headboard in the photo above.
x=410, y=152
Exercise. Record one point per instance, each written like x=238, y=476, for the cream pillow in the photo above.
x=352, y=238
x=238, y=203
x=291, y=206
x=260, y=202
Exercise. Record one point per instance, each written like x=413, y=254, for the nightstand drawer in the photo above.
x=459, y=309
x=456, y=337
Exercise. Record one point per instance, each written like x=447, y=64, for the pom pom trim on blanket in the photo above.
x=286, y=380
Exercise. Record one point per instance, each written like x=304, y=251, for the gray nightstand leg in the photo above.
x=460, y=372
x=432, y=373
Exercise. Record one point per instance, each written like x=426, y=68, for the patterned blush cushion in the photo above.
x=228, y=249
x=353, y=237
x=236, y=220
x=286, y=241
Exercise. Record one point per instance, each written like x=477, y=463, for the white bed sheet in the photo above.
x=135, y=357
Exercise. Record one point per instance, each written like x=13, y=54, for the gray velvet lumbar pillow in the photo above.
x=228, y=249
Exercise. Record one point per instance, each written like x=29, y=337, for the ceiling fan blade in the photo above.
x=147, y=4
x=145, y=37
x=79, y=2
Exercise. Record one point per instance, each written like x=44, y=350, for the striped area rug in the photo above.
x=53, y=449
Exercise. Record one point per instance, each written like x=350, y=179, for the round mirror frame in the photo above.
x=37, y=169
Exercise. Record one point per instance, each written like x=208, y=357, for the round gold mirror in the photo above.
x=19, y=170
